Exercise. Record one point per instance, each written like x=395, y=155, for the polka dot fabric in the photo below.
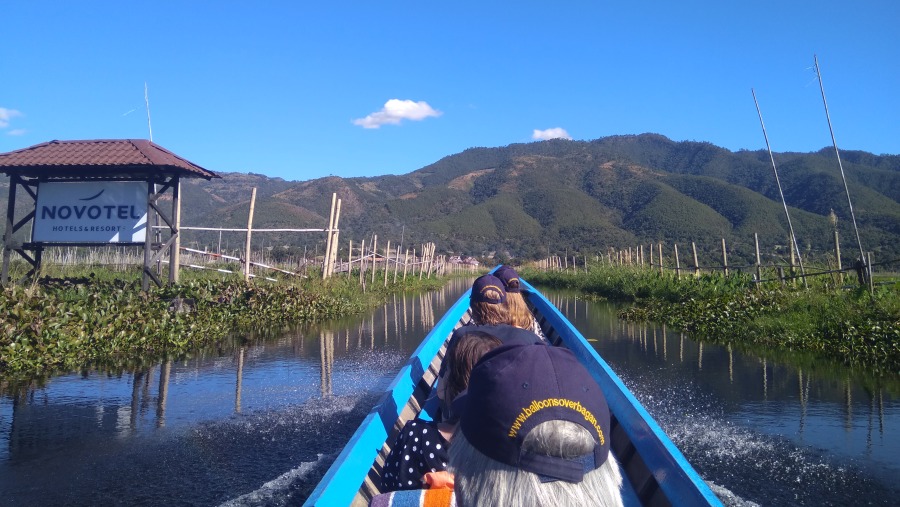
x=419, y=449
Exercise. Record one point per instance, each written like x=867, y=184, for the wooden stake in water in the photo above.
x=329, y=238
x=778, y=182
x=696, y=262
x=677, y=263
x=724, y=257
x=249, y=234
x=387, y=256
x=374, y=256
x=335, y=243
x=758, y=263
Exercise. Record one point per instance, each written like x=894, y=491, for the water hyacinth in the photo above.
x=851, y=326
x=74, y=323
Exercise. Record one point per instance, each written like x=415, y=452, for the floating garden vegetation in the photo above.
x=103, y=318
x=853, y=326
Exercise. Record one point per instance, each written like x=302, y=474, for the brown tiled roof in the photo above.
x=101, y=157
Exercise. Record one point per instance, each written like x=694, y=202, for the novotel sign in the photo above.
x=91, y=212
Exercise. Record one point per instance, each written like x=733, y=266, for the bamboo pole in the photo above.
x=837, y=256
x=387, y=256
x=778, y=181
x=374, y=254
x=249, y=233
x=862, y=256
x=396, y=263
x=793, y=263
x=724, y=257
x=362, y=260
x=329, y=238
x=696, y=262
x=175, y=249
x=660, y=258
x=677, y=263
x=406, y=262
x=350, y=260
x=871, y=281
x=422, y=261
x=758, y=261
x=335, y=246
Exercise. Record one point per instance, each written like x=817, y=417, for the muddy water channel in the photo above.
x=257, y=420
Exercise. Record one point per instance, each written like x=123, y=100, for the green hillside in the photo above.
x=528, y=200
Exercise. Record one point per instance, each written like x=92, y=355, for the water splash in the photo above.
x=753, y=468
x=277, y=492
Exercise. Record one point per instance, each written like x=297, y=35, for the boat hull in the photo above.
x=657, y=472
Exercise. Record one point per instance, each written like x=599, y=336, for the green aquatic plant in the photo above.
x=852, y=326
x=66, y=324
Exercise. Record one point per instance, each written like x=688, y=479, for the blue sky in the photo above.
x=301, y=90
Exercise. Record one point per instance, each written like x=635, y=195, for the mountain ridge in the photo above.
x=528, y=200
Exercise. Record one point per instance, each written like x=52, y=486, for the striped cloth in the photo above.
x=415, y=498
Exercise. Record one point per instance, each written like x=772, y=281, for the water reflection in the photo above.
x=310, y=382
x=257, y=419
x=771, y=429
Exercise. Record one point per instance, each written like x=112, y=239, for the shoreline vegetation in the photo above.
x=852, y=327
x=99, y=318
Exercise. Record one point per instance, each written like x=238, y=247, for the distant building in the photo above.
x=463, y=259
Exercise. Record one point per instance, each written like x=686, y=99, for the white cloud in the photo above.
x=16, y=132
x=557, y=133
x=6, y=115
x=395, y=111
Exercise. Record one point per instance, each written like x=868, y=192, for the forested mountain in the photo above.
x=527, y=200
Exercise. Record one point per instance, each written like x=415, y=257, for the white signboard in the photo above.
x=91, y=212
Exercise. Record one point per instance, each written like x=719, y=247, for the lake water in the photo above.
x=257, y=420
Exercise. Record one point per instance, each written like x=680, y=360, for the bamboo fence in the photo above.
x=668, y=259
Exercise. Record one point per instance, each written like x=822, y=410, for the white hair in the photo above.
x=481, y=480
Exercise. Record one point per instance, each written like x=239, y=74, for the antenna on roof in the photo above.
x=147, y=101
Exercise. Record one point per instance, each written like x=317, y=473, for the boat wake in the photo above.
x=754, y=468
x=277, y=492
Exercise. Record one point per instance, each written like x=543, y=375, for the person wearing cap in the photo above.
x=486, y=301
x=533, y=430
x=418, y=459
x=490, y=316
x=517, y=310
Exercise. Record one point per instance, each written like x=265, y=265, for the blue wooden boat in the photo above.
x=655, y=471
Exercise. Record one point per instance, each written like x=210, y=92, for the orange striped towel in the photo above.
x=415, y=498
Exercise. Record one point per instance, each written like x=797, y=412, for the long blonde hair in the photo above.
x=490, y=314
x=518, y=313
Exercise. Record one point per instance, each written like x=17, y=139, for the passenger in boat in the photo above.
x=486, y=303
x=517, y=311
x=533, y=430
x=489, y=316
x=418, y=458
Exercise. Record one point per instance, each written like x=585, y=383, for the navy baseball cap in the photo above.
x=488, y=289
x=514, y=388
x=508, y=275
